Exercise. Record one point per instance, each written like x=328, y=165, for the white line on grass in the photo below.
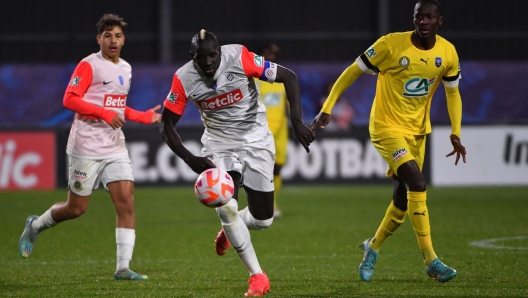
x=489, y=243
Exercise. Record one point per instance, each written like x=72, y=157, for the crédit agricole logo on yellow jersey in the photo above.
x=417, y=87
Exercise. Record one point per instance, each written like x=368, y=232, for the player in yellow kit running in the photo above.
x=409, y=66
x=274, y=98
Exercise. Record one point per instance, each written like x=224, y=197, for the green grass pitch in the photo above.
x=310, y=252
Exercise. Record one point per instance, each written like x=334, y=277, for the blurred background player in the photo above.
x=409, y=66
x=96, y=148
x=343, y=112
x=220, y=81
x=274, y=98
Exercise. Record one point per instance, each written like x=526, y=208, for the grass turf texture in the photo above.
x=310, y=252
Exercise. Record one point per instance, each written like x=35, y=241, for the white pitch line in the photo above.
x=489, y=243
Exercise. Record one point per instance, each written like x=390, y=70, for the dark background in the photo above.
x=62, y=31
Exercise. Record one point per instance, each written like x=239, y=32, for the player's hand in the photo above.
x=199, y=164
x=321, y=120
x=303, y=134
x=458, y=149
x=156, y=117
x=117, y=121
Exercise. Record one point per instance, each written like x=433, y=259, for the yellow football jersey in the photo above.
x=274, y=98
x=407, y=80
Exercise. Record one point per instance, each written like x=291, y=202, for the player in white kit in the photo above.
x=97, y=93
x=220, y=82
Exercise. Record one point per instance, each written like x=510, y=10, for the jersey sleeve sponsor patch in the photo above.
x=252, y=63
x=371, y=52
x=176, y=100
x=75, y=81
x=81, y=79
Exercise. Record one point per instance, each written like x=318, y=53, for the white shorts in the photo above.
x=254, y=161
x=85, y=175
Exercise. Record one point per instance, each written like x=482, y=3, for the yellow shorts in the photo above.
x=398, y=148
x=281, y=144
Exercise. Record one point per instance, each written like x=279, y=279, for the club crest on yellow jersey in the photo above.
x=405, y=61
x=417, y=87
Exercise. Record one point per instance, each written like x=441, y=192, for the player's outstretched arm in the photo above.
x=321, y=120
x=457, y=148
x=344, y=81
x=293, y=93
x=170, y=136
x=148, y=117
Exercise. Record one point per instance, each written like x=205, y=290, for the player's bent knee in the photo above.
x=262, y=224
x=229, y=212
x=76, y=211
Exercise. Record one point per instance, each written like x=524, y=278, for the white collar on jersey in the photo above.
x=100, y=55
x=220, y=68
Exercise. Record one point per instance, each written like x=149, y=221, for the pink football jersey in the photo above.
x=104, y=84
x=228, y=102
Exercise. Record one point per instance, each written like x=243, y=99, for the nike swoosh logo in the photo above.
x=418, y=213
x=104, y=83
x=237, y=248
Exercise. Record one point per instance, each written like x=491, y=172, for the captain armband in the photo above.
x=452, y=81
x=270, y=72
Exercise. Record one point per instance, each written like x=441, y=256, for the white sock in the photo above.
x=43, y=222
x=253, y=223
x=125, y=239
x=238, y=234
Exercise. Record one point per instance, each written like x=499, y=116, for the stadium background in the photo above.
x=42, y=41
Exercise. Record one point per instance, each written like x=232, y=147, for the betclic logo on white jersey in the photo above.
x=114, y=101
x=221, y=101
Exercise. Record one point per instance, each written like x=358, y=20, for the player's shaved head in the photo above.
x=435, y=2
x=206, y=52
x=108, y=21
x=201, y=37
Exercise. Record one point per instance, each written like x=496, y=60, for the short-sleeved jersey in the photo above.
x=229, y=102
x=274, y=98
x=407, y=80
x=105, y=84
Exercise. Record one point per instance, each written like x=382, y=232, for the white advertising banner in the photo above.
x=496, y=155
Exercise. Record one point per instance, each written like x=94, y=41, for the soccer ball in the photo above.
x=214, y=187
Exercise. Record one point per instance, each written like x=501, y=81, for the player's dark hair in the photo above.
x=270, y=46
x=435, y=2
x=110, y=20
x=201, y=36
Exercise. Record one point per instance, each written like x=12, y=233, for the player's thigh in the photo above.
x=395, y=148
x=227, y=160
x=117, y=178
x=258, y=160
x=418, y=150
x=281, y=144
x=83, y=175
x=260, y=203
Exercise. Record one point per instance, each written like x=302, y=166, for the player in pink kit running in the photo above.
x=97, y=93
x=220, y=81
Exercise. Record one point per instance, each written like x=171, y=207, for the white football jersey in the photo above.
x=228, y=102
x=102, y=83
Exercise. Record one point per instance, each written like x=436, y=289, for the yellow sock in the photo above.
x=277, y=182
x=419, y=216
x=394, y=217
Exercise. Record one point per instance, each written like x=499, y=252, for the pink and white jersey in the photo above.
x=228, y=102
x=104, y=84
